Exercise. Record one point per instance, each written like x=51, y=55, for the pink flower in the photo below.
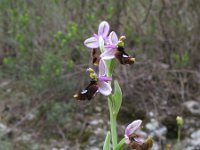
x=111, y=47
x=115, y=49
x=130, y=132
x=98, y=83
x=93, y=42
x=103, y=86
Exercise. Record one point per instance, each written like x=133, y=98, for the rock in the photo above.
x=5, y=83
x=155, y=146
x=193, y=107
x=161, y=132
x=99, y=131
x=195, y=138
x=96, y=122
x=151, y=114
x=65, y=148
x=152, y=125
x=30, y=116
x=24, y=137
x=193, y=143
x=98, y=109
x=156, y=130
x=94, y=148
x=3, y=127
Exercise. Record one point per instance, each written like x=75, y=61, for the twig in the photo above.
x=147, y=14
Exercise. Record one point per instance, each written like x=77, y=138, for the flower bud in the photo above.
x=179, y=120
x=90, y=70
x=132, y=59
x=75, y=95
x=122, y=38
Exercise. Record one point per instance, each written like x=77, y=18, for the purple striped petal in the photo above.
x=113, y=39
x=110, y=46
x=131, y=128
x=91, y=42
x=104, y=88
x=108, y=54
x=103, y=29
x=105, y=78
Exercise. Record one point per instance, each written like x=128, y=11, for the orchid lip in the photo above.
x=104, y=78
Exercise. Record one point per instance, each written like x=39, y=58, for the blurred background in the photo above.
x=43, y=62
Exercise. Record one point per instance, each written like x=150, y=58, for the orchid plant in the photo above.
x=111, y=48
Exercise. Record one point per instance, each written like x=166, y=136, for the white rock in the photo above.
x=3, y=127
x=94, y=148
x=193, y=107
x=153, y=125
x=94, y=122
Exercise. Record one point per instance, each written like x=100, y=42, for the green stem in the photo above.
x=113, y=117
x=113, y=123
x=120, y=145
x=179, y=134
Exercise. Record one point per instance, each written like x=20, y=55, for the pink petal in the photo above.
x=104, y=88
x=139, y=139
x=108, y=54
x=102, y=68
x=127, y=141
x=110, y=46
x=91, y=42
x=131, y=128
x=113, y=39
x=103, y=29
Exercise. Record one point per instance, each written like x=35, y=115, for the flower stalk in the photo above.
x=113, y=122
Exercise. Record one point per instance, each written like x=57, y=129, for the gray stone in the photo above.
x=193, y=107
x=152, y=125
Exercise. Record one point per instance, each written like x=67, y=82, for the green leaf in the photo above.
x=106, y=145
x=117, y=97
x=120, y=145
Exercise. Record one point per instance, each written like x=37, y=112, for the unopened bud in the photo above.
x=122, y=38
x=132, y=59
x=75, y=95
x=90, y=70
x=179, y=120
